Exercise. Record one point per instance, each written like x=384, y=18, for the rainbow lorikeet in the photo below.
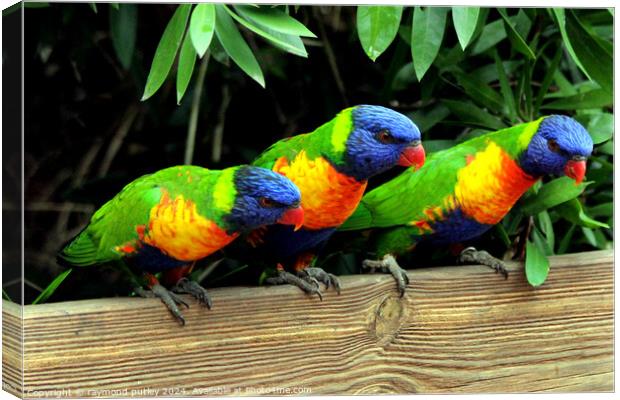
x=165, y=221
x=463, y=191
x=331, y=166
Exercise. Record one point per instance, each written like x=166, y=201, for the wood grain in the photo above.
x=457, y=330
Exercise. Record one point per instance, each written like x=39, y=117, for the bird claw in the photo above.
x=308, y=283
x=472, y=256
x=170, y=299
x=184, y=285
x=388, y=264
x=318, y=274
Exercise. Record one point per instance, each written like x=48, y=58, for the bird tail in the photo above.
x=81, y=251
x=360, y=219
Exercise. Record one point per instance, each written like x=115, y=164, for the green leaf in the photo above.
x=601, y=127
x=5, y=295
x=93, y=6
x=491, y=35
x=202, y=26
x=187, y=60
x=595, y=238
x=546, y=227
x=503, y=235
x=275, y=20
x=472, y=115
x=465, y=20
x=602, y=210
x=597, y=98
x=549, y=76
x=236, y=47
x=51, y=288
x=536, y=264
x=479, y=91
x=572, y=211
x=551, y=194
x=432, y=146
x=377, y=27
x=425, y=120
x=282, y=41
x=426, y=37
x=504, y=85
x=540, y=242
x=597, y=61
x=123, y=28
x=218, y=52
x=566, y=240
x=518, y=42
x=166, y=50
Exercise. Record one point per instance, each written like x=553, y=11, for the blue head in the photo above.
x=560, y=146
x=264, y=198
x=380, y=139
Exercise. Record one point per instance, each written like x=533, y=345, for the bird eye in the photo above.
x=553, y=146
x=384, y=136
x=267, y=203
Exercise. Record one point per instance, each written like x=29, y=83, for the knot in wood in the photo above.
x=388, y=318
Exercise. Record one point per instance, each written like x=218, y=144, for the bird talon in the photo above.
x=472, y=256
x=388, y=264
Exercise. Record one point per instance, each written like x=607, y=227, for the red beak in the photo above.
x=294, y=216
x=412, y=156
x=575, y=169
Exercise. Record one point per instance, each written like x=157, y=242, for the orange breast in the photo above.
x=177, y=229
x=327, y=196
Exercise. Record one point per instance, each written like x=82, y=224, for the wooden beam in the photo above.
x=458, y=329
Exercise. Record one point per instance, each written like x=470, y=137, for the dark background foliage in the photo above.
x=88, y=134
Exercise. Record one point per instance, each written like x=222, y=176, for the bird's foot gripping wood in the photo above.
x=317, y=274
x=308, y=284
x=170, y=299
x=388, y=264
x=184, y=285
x=472, y=256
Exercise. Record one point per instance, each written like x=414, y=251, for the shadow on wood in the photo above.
x=458, y=329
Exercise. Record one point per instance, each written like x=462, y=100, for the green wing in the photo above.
x=404, y=198
x=114, y=224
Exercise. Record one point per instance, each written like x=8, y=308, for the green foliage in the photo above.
x=377, y=27
x=51, y=288
x=166, y=50
x=536, y=264
x=123, y=28
x=465, y=21
x=202, y=27
x=270, y=23
x=426, y=36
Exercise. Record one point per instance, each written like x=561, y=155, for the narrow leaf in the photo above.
x=377, y=27
x=465, y=20
x=187, y=60
x=491, y=35
x=280, y=40
x=236, y=47
x=479, y=91
x=597, y=98
x=202, y=26
x=426, y=37
x=549, y=76
x=536, y=264
x=472, y=115
x=595, y=59
x=572, y=211
x=504, y=84
x=518, y=41
x=123, y=28
x=166, y=50
x=566, y=240
x=275, y=19
x=51, y=288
